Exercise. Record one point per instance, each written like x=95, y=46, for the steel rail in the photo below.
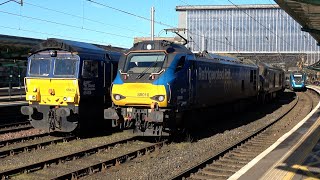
x=39, y=165
x=209, y=160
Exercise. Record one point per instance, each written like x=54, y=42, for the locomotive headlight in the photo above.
x=53, y=53
x=149, y=46
x=161, y=98
x=68, y=99
x=32, y=97
x=158, y=98
x=118, y=97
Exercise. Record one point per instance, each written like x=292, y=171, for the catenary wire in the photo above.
x=69, y=37
x=84, y=18
x=129, y=13
x=68, y=25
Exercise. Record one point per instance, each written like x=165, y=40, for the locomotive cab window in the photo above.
x=65, y=67
x=144, y=62
x=180, y=64
x=90, y=69
x=298, y=77
x=39, y=67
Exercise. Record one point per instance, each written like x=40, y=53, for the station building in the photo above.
x=263, y=31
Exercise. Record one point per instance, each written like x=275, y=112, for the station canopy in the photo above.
x=307, y=14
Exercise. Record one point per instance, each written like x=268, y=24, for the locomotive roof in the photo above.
x=68, y=45
x=159, y=45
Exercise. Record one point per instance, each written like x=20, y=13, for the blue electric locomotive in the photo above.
x=67, y=84
x=158, y=81
x=298, y=81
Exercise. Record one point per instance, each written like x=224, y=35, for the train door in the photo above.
x=109, y=74
x=92, y=82
x=192, y=77
x=181, y=83
x=106, y=80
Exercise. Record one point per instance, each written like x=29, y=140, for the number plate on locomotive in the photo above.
x=143, y=94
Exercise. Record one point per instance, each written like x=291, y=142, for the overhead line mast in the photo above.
x=152, y=23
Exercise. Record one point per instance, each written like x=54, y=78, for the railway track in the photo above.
x=14, y=127
x=38, y=143
x=98, y=158
x=21, y=139
x=72, y=166
x=225, y=163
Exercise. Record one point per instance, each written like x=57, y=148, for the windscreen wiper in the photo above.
x=146, y=70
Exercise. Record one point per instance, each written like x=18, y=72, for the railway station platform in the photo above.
x=296, y=155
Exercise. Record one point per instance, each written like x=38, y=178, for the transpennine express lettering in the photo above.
x=211, y=75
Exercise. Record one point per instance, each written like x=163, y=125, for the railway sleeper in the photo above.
x=203, y=176
x=253, y=149
x=264, y=141
x=238, y=158
x=230, y=161
x=220, y=168
x=247, y=150
x=227, y=164
x=262, y=138
x=212, y=174
x=218, y=164
x=240, y=153
x=256, y=144
x=270, y=132
x=256, y=141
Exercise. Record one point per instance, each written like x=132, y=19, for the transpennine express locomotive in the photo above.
x=298, y=80
x=158, y=81
x=67, y=84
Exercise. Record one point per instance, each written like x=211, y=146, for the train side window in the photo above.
x=180, y=64
x=90, y=69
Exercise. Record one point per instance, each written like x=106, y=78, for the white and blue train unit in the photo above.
x=159, y=81
x=298, y=80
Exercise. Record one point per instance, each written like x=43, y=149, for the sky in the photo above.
x=106, y=22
